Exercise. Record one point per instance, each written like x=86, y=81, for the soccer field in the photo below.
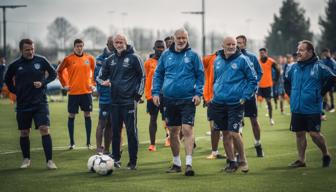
x=266, y=174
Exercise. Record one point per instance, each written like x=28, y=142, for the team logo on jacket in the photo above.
x=86, y=62
x=37, y=66
x=113, y=63
x=186, y=60
x=234, y=66
x=126, y=62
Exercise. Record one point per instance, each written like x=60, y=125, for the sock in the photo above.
x=189, y=160
x=177, y=161
x=257, y=142
x=47, y=147
x=25, y=147
x=215, y=152
x=88, y=129
x=71, y=125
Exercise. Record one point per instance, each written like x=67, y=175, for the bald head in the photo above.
x=229, y=46
x=109, y=43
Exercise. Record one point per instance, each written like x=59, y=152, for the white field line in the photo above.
x=147, y=142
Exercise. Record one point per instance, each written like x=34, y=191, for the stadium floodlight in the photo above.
x=4, y=7
x=202, y=13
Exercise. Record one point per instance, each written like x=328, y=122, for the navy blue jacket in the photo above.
x=305, y=80
x=25, y=72
x=104, y=92
x=126, y=74
x=180, y=75
x=235, y=79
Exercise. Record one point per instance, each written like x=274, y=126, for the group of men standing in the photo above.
x=230, y=78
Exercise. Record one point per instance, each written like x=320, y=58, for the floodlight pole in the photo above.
x=202, y=13
x=4, y=7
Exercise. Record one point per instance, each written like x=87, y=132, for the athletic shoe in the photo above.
x=174, y=169
x=72, y=146
x=167, y=142
x=297, y=164
x=332, y=110
x=131, y=166
x=25, y=163
x=189, y=171
x=51, y=165
x=89, y=146
x=152, y=148
x=215, y=156
x=259, y=151
x=117, y=164
x=323, y=117
x=231, y=167
x=243, y=167
x=326, y=160
x=272, y=122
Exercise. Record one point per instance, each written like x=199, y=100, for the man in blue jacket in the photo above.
x=250, y=106
x=235, y=82
x=330, y=62
x=303, y=83
x=180, y=76
x=104, y=94
x=124, y=72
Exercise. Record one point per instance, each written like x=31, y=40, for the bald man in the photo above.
x=124, y=72
x=235, y=81
x=180, y=76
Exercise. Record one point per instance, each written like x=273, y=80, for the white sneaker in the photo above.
x=25, y=163
x=332, y=110
x=272, y=122
x=51, y=165
x=72, y=146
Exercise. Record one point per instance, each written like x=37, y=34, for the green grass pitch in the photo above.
x=266, y=174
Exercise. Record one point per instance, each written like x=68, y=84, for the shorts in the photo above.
x=178, y=112
x=275, y=91
x=83, y=101
x=226, y=117
x=303, y=122
x=104, y=111
x=40, y=115
x=265, y=92
x=154, y=110
x=250, y=107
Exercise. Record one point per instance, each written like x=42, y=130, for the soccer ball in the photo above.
x=90, y=163
x=104, y=165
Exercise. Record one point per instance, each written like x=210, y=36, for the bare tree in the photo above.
x=95, y=36
x=59, y=32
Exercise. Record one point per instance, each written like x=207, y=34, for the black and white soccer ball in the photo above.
x=91, y=162
x=104, y=165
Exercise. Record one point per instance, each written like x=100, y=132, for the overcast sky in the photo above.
x=250, y=17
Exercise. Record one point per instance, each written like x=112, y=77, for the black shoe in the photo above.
x=174, y=169
x=231, y=167
x=131, y=166
x=297, y=164
x=259, y=151
x=117, y=164
x=194, y=145
x=326, y=161
x=189, y=171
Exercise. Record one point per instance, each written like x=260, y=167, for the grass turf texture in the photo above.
x=266, y=174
